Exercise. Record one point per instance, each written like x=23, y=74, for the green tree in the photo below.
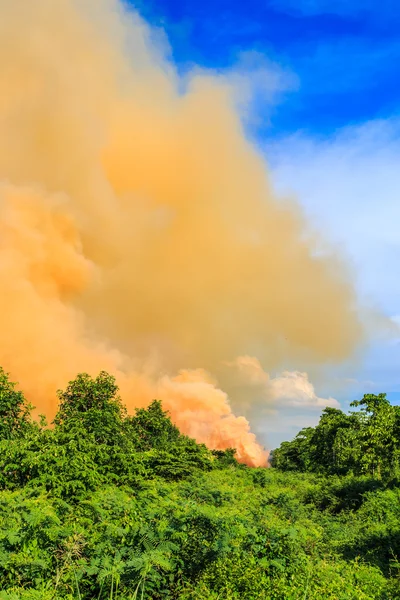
x=164, y=449
x=92, y=406
x=366, y=441
x=327, y=440
x=14, y=410
x=379, y=439
x=152, y=427
x=296, y=455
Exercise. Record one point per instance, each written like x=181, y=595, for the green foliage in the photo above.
x=363, y=442
x=152, y=428
x=103, y=505
x=14, y=411
x=92, y=406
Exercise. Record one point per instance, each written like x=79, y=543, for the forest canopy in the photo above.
x=103, y=504
x=366, y=441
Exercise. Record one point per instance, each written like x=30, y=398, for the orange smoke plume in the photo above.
x=139, y=233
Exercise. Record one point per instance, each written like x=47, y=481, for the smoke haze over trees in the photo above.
x=140, y=232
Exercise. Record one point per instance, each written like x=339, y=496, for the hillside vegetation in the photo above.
x=103, y=505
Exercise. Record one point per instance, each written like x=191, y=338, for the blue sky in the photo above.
x=325, y=80
x=345, y=54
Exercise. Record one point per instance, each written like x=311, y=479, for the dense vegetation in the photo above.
x=364, y=442
x=110, y=506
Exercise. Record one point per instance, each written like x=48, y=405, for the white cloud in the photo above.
x=289, y=389
x=280, y=405
x=349, y=186
x=293, y=388
x=396, y=320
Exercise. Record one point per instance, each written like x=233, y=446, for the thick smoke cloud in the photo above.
x=139, y=232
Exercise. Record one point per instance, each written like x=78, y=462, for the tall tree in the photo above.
x=93, y=406
x=14, y=410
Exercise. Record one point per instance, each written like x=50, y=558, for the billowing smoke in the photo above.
x=139, y=232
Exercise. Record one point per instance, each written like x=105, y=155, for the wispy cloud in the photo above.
x=349, y=185
x=258, y=81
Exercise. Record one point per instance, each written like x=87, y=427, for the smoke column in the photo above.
x=139, y=232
